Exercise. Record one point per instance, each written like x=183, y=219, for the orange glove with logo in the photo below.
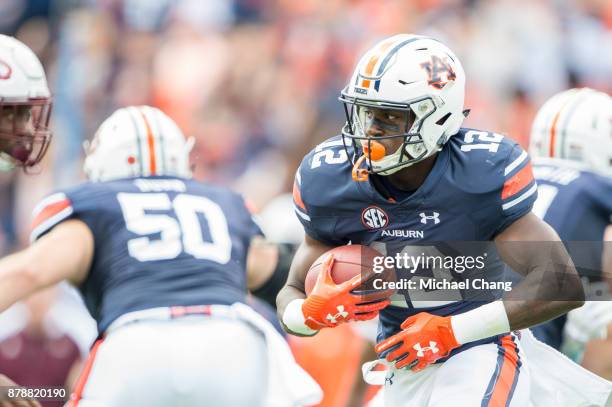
x=330, y=304
x=424, y=339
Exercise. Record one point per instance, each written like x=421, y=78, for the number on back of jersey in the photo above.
x=148, y=214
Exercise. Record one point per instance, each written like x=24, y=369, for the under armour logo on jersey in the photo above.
x=425, y=218
x=342, y=314
x=421, y=349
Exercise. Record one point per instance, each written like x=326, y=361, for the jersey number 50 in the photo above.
x=186, y=234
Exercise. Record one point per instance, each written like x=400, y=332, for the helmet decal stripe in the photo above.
x=383, y=65
x=139, y=144
x=365, y=83
x=160, y=133
x=150, y=143
x=552, y=139
x=553, y=133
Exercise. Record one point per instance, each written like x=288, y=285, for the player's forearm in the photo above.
x=592, y=360
x=550, y=288
x=17, y=279
x=551, y=285
x=513, y=313
x=304, y=256
x=500, y=317
x=524, y=314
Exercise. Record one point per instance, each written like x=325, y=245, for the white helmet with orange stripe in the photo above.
x=137, y=141
x=413, y=74
x=575, y=125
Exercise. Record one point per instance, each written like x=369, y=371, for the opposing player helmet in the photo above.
x=25, y=106
x=575, y=125
x=137, y=141
x=411, y=73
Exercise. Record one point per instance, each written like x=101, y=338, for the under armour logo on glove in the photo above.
x=421, y=350
x=341, y=314
x=435, y=217
x=422, y=328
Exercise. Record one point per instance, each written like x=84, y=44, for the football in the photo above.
x=350, y=261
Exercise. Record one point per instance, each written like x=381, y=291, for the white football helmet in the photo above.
x=404, y=72
x=25, y=106
x=137, y=141
x=575, y=125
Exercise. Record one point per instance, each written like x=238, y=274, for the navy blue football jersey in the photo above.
x=159, y=241
x=480, y=183
x=578, y=205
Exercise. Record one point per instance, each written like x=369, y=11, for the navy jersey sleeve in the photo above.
x=75, y=203
x=247, y=211
x=517, y=189
x=600, y=190
x=496, y=172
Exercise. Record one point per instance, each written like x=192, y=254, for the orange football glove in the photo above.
x=424, y=339
x=330, y=304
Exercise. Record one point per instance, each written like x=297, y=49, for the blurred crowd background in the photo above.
x=256, y=81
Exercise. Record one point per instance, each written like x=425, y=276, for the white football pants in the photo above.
x=189, y=361
x=492, y=375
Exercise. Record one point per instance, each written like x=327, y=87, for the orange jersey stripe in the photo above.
x=80, y=386
x=151, y=143
x=297, y=196
x=50, y=211
x=518, y=181
x=507, y=373
x=251, y=207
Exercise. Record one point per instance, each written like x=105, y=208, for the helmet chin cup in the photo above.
x=373, y=149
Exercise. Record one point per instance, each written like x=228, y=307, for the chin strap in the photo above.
x=360, y=174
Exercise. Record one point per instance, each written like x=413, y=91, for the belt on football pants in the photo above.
x=169, y=313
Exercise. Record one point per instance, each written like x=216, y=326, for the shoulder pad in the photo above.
x=324, y=176
x=60, y=206
x=482, y=161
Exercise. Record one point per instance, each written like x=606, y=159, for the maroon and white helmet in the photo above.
x=25, y=106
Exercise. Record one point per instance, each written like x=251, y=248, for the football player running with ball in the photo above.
x=160, y=260
x=404, y=173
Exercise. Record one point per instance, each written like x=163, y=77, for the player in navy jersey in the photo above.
x=160, y=261
x=404, y=177
x=572, y=150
